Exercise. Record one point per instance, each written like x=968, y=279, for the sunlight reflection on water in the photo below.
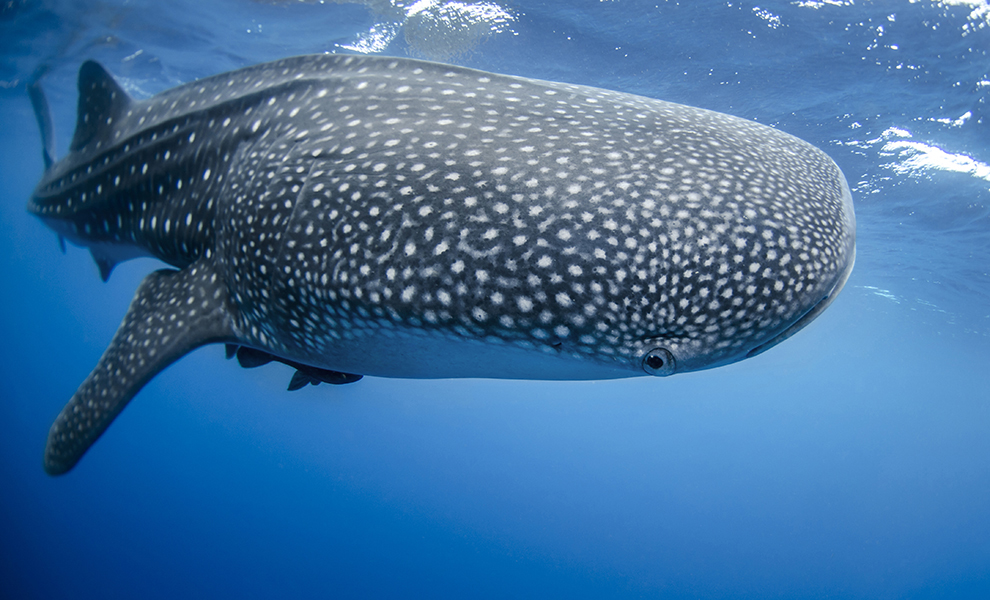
x=434, y=29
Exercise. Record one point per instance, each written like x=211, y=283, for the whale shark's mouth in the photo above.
x=809, y=316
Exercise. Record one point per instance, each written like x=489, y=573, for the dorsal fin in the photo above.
x=101, y=102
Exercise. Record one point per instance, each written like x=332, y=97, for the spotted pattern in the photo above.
x=350, y=200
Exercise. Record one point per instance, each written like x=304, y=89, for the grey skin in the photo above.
x=378, y=216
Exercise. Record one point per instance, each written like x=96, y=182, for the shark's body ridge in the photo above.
x=357, y=216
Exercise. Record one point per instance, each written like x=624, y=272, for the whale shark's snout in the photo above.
x=824, y=268
x=354, y=216
x=809, y=316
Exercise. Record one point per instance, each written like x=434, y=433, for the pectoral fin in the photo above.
x=249, y=358
x=306, y=374
x=172, y=313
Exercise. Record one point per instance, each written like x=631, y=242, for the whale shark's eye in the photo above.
x=658, y=362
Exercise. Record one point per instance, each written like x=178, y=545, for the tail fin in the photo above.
x=101, y=101
x=43, y=114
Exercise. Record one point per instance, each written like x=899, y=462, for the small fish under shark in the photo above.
x=391, y=217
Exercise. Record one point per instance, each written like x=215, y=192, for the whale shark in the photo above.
x=359, y=216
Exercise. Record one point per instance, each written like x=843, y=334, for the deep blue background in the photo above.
x=852, y=461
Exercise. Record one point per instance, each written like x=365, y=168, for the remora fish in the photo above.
x=382, y=216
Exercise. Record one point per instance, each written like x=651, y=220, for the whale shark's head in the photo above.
x=733, y=249
x=693, y=261
x=548, y=230
x=752, y=243
x=709, y=263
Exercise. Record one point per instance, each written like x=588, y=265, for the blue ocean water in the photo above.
x=851, y=461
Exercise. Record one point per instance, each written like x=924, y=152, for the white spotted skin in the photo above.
x=393, y=217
